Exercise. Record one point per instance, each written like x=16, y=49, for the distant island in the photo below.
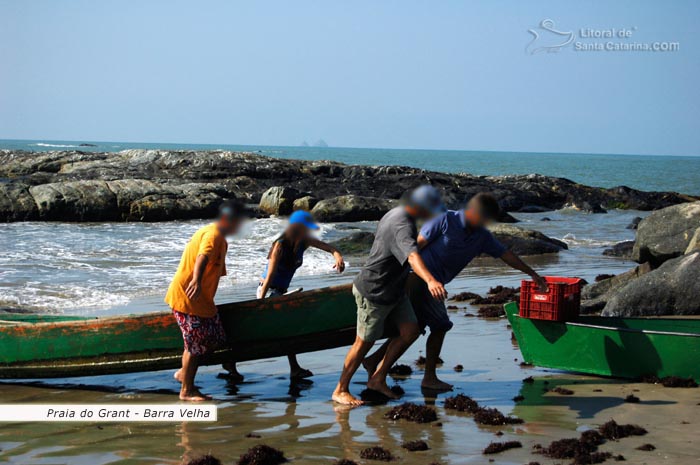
x=320, y=143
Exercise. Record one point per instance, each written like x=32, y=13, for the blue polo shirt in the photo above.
x=452, y=244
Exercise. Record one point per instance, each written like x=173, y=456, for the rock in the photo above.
x=352, y=208
x=308, y=202
x=621, y=249
x=156, y=177
x=505, y=217
x=595, y=296
x=358, y=243
x=694, y=244
x=278, y=200
x=666, y=233
x=533, y=209
x=671, y=289
x=634, y=223
x=545, y=218
x=525, y=241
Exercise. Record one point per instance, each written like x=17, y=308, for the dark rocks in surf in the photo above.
x=667, y=233
x=634, y=223
x=357, y=243
x=160, y=185
x=526, y=241
x=278, y=200
x=621, y=249
x=205, y=460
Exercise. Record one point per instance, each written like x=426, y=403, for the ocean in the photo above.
x=644, y=172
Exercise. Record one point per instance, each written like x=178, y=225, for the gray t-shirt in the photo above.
x=382, y=280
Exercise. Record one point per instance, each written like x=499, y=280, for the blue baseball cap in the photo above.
x=428, y=198
x=303, y=217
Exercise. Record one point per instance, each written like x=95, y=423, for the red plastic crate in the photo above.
x=561, y=303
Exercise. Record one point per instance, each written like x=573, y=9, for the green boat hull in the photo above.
x=616, y=347
x=47, y=346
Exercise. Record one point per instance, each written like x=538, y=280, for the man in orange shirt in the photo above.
x=191, y=294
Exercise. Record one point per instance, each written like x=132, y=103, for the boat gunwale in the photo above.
x=88, y=320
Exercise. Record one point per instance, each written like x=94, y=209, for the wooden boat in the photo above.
x=609, y=346
x=50, y=346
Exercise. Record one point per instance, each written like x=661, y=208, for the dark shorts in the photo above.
x=201, y=335
x=430, y=312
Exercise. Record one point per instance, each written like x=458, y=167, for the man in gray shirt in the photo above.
x=380, y=293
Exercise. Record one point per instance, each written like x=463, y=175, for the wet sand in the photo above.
x=300, y=420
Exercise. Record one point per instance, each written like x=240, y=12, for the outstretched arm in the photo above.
x=437, y=290
x=194, y=288
x=515, y=262
x=339, y=261
x=271, y=268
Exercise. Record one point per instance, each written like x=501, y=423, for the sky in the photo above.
x=395, y=74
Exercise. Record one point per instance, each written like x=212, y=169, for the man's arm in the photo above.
x=437, y=290
x=194, y=288
x=514, y=261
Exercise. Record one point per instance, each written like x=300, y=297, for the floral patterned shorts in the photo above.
x=201, y=335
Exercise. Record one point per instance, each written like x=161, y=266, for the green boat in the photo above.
x=51, y=346
x=618, y=347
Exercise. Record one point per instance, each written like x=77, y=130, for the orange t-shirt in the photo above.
x=206, y=241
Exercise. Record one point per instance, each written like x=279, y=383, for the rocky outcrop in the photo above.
x=76, y=185
x=621, y=249
x=357, y=243
x=308, y=202
x=673, y=288
x=526, y=241
x=352, y=208
x=666, y=233
x=278, y=200
x=595, y=296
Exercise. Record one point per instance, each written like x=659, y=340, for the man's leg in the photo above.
x=188, y=391
x=295, y=370
x=432, y=354
x=371, y=362
x=408, y=333
x=352, y=362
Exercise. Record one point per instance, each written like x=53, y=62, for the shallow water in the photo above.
x=134, y=261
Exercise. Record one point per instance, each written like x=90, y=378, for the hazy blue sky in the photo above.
x=443, y=74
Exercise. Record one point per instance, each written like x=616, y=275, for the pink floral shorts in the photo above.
x=201, y=335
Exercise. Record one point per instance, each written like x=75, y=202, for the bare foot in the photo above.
x=300, y=373
x=382, y=388
x=370, y=364
x=346, y=398
x=436, y=384
x=194, y=396
x=178, y=375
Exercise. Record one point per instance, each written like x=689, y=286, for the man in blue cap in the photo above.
x=379, y=291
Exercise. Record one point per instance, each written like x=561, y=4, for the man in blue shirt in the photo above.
x=448, y=243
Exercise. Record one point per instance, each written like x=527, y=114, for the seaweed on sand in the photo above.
x=459, y=368
x=613, y=431
x=412, y=412
x=421, y=361
x=377, y=453
x=632, y=399
x=461, y=403
x=491, y=311
x=262, y=455
x=670, y=381
x=401, y=370
x=583, y=450
x=518, y=398
x=529, y=380
x=345, y=462
x=465, y=297
x=647, y=447
x=504, y=295
x=563, y=391
x=413, y=446
x=205, y=460
x=496, y=447
x=492, y=416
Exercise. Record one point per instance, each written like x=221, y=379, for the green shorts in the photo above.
x=372, y=317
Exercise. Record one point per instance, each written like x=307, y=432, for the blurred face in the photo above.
x=475, y=217
x=229, y=226
x=419, y=213
x=298, y=231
